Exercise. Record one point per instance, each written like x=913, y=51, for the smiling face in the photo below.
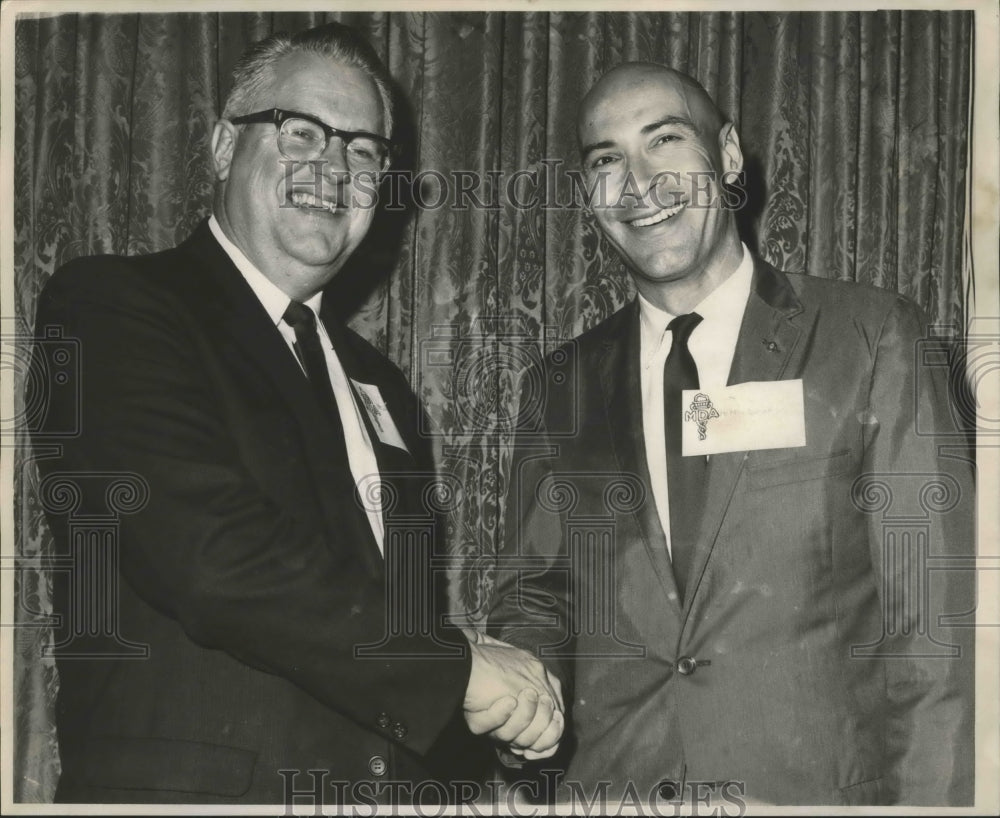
x=661, y=146
x=299, y=244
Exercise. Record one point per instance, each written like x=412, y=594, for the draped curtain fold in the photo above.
x=853, y=125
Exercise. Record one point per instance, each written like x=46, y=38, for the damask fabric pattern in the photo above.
x=854, y=126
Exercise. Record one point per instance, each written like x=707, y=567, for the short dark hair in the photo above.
x=255, y=67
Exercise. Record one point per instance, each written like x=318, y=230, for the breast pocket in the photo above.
x=792, y=470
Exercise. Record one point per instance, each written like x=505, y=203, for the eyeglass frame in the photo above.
x=276, y=116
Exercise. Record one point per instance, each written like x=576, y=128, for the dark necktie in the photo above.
x=307, y=346
x=685, y=475
x=310, y=352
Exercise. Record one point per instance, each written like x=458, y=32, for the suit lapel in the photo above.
x=768, y=343
x=769, y=334
x=397, y=467
x=240, y=315
x=360, y=367
x=621, y=386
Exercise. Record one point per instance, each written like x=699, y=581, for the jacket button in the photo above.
x=383, y=720
x=686, y=665
x=667, y=790
x=377, y=765
x=399, y=730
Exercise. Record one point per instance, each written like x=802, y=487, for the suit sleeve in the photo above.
x=209, y=549
x=915, y=447
x=530, y=606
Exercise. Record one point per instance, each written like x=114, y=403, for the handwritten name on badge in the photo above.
x=744, y=417
x=378, y=414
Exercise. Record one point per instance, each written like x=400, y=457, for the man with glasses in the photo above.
x=258, y=571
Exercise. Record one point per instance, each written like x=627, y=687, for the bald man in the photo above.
x=743, y=620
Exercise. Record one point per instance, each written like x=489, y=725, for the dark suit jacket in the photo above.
x=821, y=672
x=243, y=560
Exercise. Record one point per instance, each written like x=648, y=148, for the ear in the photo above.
x=729, y=149
x=223, y=145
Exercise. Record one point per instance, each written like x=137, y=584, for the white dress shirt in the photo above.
x=360, y=452
x=712, y=345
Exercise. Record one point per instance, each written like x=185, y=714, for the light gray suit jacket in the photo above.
x=809, y=663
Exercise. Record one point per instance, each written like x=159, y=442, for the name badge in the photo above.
x=378, y=414
x=744, y=417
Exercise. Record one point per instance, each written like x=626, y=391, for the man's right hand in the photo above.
x=513, y=697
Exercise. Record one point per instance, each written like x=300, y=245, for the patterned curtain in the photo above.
x=854, y=127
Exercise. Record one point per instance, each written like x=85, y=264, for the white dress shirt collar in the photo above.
x=271, y=297
x=715, y=337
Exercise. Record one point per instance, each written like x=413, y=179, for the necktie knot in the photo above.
x=299, y=317
x=683, y=325
x=310, y=352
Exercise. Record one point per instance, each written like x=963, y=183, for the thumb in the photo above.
x=483, y=721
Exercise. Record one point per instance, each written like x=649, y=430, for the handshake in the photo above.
x=513, y=697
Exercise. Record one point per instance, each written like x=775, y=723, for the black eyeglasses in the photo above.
x=303, y=138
